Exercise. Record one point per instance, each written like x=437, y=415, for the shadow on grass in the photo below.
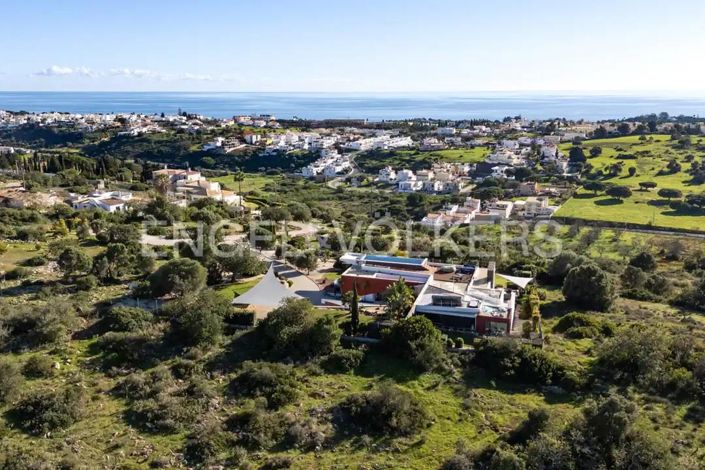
x=379, y=365
x=585, y=196
x=609, y=202
x=658, y=202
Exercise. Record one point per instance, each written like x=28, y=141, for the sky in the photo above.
x=353, y=45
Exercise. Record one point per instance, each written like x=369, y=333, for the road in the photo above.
x=335, y=182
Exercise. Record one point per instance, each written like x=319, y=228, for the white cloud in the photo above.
x=59, y=70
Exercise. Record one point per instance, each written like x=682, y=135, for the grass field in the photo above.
x=238, y=288
x=416, y=159
x=643, y=207
x=252, y=182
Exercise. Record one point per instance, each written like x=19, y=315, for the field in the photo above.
x=416, y=159
x=643, y=207
x=252, y=182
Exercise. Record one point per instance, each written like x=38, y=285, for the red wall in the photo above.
x=368, y=285
x=482, y=323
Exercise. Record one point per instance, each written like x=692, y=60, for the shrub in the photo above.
x=388, y=411
x=579, y=324
x=307, y=433
x=19, y=272
x=35, y=261
x=129, y=348
x=31, y=327
x=122, y=318
x=45, y=411
x=86, y=283
x=257, y=428
x=38, y=366
x=205, y=443
x=198, y=319
x=275, y=382
x=163, y=413
x=459, y=342
x=293, y=330
x=10, y=381
x=511, y=360
x=343, y=360
x=177, y=276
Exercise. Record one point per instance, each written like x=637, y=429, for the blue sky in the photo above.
x=353, y=45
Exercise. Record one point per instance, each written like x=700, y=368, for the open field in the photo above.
x=643, y=207
x=416, y=159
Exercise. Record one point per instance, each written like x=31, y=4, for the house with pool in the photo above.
x=458, y=298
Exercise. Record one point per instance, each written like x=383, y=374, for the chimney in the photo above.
x=491, y=270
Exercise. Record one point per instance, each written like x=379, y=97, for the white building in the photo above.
x=387, y=175
x=109, y=201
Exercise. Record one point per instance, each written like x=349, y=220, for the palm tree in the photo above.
x=239, y=177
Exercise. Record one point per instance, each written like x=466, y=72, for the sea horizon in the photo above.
x=374, y=106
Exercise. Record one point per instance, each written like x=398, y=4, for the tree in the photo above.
x=242, y=262
x=489, y=193
x=73, y=261
x=669, y=194
x=563, y=263
x=577, y=155
x=239, y=177
x=292, y=330
x=354, y=311
x=595, y=151
x=398, y=299
x=417, y=340
x=589, y=286
x=83, y=230
x=645, y=261
x=114, y=262
x=646, y=185
x=624, y=128
x=619, y=192
x=198, y=318
x=59, y=228
x=631, y=170
x=177, y=276
x=594, y=186
x=161, y=184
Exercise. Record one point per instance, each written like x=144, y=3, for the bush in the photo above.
x=207, y=441
x=31, y=327
x=35, y=261
x=292, y=330
x=198, y=319
x=257, y=428
x=275, y=382
x=459, y=342
x=343, y=360
x=177, y=276
x=10, y=381
x=163, y=413
x=122, y=318
x=18, y=273
x=38, y=366
x=129, y=348
x=582, y=325
x=510, y=360
x=45, y=411
x=86, y=283
x=388, y=411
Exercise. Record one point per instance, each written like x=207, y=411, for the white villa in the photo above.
x=186, y=186
x=109, y=201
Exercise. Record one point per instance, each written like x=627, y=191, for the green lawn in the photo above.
x=16, y=254
x=238, y=288
x=643, y=207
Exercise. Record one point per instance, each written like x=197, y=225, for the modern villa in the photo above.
x=453, y=297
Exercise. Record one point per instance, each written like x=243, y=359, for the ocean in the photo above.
x=372, y=106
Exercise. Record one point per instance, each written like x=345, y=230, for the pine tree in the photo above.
x=354, y=312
